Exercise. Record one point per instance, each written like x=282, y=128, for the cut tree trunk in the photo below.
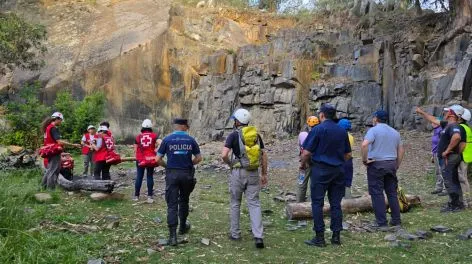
x=297, y=211
x=106, y=186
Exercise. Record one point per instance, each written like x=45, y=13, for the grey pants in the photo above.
x=88, y=160
x=302, y=188
x=439, y=177
x=464, y=182
x=247, y=182
x=52, y=172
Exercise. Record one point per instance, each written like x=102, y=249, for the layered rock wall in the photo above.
x=157, y=61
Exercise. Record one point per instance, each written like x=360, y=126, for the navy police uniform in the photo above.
x=328, y=144
x=179, y=148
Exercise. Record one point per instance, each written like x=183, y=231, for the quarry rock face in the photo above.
x=158, y=61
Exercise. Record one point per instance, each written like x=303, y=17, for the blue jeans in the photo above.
x=382, y=176
x=139, y=180
x=326, y=178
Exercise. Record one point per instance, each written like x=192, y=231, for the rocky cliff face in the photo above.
x=395, y=64
x=157, y=61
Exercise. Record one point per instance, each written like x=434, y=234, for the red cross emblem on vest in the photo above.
x=146, y=141
x=109, y=143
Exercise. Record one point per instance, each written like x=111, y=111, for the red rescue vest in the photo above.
x=88, y=141
x=146, y=142
x=108, y=146
x=50, y=146
x=48, y=139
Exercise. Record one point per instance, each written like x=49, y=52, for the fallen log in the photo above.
x=106, y=186
x=298, y=211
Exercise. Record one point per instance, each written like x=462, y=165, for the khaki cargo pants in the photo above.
x=247, y=182
x=464, y=183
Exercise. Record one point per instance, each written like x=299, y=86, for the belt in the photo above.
x=326, y=164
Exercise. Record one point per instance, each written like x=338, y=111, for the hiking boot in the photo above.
x=172, y=237
x=183, y=229
x=259, y=242
x=436, y=191
x=336, y=238
x=231, y=237
x=317, y=241
x=452, y=208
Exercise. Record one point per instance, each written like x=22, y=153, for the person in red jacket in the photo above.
x=87, y=152
x=145, y=149
x=101, y=146
x=52, y=136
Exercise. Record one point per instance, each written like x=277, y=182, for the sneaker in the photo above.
x=135, y=199
x=382, y=228
x=150, y=200
x=259, y=243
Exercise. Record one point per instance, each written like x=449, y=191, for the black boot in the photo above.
x=318, y=241
x=184, y=227
x=172, y=237
x=336, y=238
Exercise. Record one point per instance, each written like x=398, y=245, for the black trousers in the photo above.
x=102, y=171
x=382, y=176
x=179, y=186
x=450, y=173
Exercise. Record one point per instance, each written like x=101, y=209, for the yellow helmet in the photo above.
x=312, y=121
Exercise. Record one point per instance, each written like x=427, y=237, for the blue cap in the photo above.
x=381, y=115
x=327, y=109
x=345, y=123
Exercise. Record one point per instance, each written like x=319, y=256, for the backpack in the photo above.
x=50, y=150
x=402, y=201
x=67, y=162
x=467, y=153
x=249, y=147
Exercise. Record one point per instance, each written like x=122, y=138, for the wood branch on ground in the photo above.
x=106, y=186
x=126, y=159
x=298, y=211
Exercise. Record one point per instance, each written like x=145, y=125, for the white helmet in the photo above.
x=146, y=123
x=57, y=115
x=242, y=115
x=102, y=128
x=466, y=115
x=457, y=109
